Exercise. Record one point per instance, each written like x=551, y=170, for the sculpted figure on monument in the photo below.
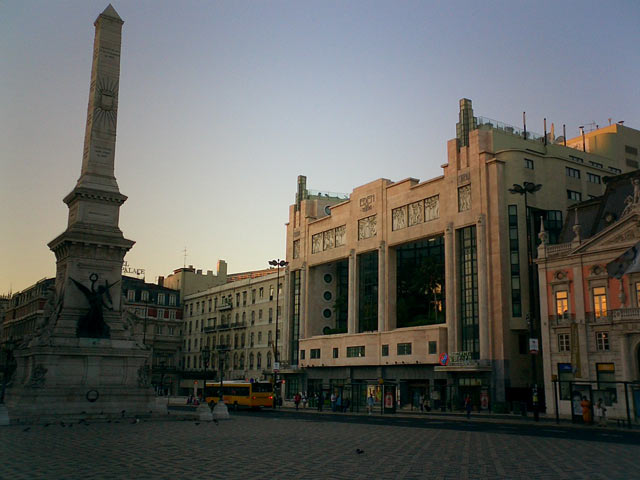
x=92, y=325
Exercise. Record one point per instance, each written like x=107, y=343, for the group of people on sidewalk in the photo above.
x=600, y=412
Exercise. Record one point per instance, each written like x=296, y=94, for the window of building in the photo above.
x=302, y=354
x=196, y=325
x=522, y=344
x=554, y=225
x=335, y=352
x=562, y=303
x=160, y=313
x=188, y=362
x=314, y=353
x=606, y=373
x=564, y=342
x=368, y=291
x=593, y=178
x=237, y=299
x=355, y=351
x=514, y=256
x=253, y=296
x=270, y=337
x=270, y=315
x=244, y=299
x=259, y=360
x=630, y=150
x=638, y=294
x=261, y=292
x=468, y=284
x=172, y=314
x=253, y=317
x=565, y=377
x=615, y=170
x=172, y=330
x=172, y=300
x=576, y=159
x=404, y=349
x=600, y=302
x=145, y=296
x=268, y=359
x=602, y=341
x=573, y=195
x=528, y=163
x=251, y=339
x=385, y=350
x=572, y=172
x=433, y=347
x=159, y=329
x=271, y=292
x=131, y=295
x=595, y=164
x=195, y=343
x=259, y=337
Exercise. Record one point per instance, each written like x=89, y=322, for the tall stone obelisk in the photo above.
x=85, y=358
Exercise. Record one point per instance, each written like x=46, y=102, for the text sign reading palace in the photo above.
x=129, y=270
x=460, y=359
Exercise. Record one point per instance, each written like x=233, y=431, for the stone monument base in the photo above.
x=86, y=378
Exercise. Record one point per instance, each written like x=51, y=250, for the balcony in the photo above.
x=617, y=315
x=225, y=306
x=562, y=320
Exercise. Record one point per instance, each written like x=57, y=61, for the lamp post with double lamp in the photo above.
x=276, y=365
x=205, y=353
x=524, y=189
x=220, y=410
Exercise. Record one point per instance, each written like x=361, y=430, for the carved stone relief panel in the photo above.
x=329, y=239
x=296, y=249
x=416, y=213
x=432, y=208
x=341, y=234
x=316, y=242
x=367, y=227
x=464, y=198
x=399, y=218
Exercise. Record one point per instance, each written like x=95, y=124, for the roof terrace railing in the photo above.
x=504, y=127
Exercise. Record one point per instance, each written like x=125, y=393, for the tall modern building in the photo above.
x=429, y=286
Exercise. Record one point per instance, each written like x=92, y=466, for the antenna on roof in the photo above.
x=524, y=124
x=185, y=257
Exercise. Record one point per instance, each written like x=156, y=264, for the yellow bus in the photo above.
x=240, y=393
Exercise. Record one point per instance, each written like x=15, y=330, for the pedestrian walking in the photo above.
x=333, y=401
x=586, y=411
x=320, y=401
x=421, y=400
x=601, y=413
x=370, y=403
x=468, y=405
x=305, y=399
x=296, y=399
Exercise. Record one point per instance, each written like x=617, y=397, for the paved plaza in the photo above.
x=285, y=445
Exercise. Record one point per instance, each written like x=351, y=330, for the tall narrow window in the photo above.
x=562, y=304
x=514, y=258
x=469, y=291
x=295, y=316
x=600, y=302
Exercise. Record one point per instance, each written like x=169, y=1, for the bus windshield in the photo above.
x=262, y=388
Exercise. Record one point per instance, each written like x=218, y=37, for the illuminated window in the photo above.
x=562, y=303
x=600, y=302
x=602, y=341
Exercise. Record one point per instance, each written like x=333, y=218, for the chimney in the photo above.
x=161, y=281
x=199, y=271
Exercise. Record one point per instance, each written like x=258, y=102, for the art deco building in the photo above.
x=385, y=283
x=590, y=304
x=238, y=317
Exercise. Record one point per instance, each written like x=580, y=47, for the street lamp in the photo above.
x=205, y=353
x=222, y=351
x=524, y=189
x=276, y=365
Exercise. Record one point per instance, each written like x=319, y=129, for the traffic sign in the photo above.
x=444, y=359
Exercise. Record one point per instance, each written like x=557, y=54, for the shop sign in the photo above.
x=444, y=359
x=461, y=359
x=533, y=346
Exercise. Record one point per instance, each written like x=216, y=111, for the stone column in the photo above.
x=626, y=357
x=353, y=297
x=450, y=286
x=483, y=304
x=382, y=284
x=581, y=320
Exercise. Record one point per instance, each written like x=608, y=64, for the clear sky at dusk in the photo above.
x=223, y=104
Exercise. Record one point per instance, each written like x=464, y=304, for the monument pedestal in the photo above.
x=86, y=378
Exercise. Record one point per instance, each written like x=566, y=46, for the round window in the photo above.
x=328, y=278
x=326, y=312
x=327, y=295
x=327, y=210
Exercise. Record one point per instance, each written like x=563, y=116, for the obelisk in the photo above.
x=85, y=359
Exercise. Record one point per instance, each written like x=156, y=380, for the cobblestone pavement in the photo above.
x=267, y=445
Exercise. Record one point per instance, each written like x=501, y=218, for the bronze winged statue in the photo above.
x=92, y=324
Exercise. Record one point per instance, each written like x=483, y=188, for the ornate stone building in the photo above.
x=426, y=285
x=590, y=304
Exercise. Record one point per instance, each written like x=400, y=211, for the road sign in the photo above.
x=276, y=366
x=533, y=346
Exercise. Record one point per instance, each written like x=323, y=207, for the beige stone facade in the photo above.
x=348, y=259
x=239, y=316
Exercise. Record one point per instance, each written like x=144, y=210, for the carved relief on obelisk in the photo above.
x=102, y=112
